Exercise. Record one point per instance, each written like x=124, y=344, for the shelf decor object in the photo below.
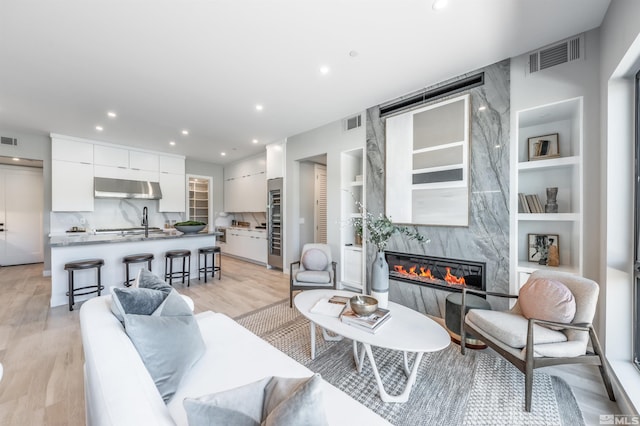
x=543, y=147
x=539, y=246
x=552, y=200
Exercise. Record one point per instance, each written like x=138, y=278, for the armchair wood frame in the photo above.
x=530, y=362
x=293, y=287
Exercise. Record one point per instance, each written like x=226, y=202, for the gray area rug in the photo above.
x=451, y=389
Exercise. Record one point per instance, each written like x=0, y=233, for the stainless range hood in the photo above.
x=123, y=188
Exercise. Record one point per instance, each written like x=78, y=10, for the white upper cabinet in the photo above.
x=275, y=160
x=70, y=150
x=245, y=186
x=139, y=160
x=110, y=156
x=170, y=164
x=174, y=191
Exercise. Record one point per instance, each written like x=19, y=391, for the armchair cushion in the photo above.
x=510, y=328
x=313, y=277
x=315, y=260
x=548, y=300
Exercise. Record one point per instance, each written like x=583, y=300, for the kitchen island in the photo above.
x=112, y=248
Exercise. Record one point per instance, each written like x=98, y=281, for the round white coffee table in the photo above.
x=407, y=331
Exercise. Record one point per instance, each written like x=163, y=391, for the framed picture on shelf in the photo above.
x=543, y=147
x=539, y=246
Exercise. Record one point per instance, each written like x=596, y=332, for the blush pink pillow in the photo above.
x=547, y=300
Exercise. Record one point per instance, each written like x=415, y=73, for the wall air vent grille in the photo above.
x=353, y=122
x=421, y=98
x=560, y=53
x=8, y=141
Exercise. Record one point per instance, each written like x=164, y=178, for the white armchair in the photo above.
x=314, y=270
x=528, y=342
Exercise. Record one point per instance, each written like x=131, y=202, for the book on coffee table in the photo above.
x=325, y=306
x=370, y=323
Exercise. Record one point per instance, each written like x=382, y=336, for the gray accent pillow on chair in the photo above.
x=270, y=401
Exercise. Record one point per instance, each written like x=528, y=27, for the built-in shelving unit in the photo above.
x=199, y=199
x=352, y=178
x=565, y=172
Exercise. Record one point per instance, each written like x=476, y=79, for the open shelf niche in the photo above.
x=563, y=170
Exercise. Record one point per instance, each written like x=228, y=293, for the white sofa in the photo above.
x=120, y=392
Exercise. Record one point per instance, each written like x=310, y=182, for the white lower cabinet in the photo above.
x=71, y=186
x=246, y=243
x=352, y=266
x=173, y=189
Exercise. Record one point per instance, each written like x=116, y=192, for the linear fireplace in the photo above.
x=437, y=272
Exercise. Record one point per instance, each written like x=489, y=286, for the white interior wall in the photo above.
x=565, y=81
x=331, y=139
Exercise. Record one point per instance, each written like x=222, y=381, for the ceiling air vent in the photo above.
x=8, y=141
x=565, y=51
x=353, y=122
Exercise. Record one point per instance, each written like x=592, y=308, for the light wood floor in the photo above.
x=41, y=349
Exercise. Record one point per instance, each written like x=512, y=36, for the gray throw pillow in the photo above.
x=139, y=301
x=270, y=401
x=168, y=346
x=147, y=279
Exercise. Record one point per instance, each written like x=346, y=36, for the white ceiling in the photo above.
x=168, y=65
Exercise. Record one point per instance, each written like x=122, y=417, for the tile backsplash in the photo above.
x=113, y=213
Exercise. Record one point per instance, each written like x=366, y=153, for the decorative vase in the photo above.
x=552, y=204
x=380, y=280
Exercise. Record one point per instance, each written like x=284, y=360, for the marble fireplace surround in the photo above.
x=487, y=237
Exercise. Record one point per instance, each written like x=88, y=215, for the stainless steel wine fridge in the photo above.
x=274, y=222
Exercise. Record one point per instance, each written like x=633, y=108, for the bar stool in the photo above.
x=135, y=258
x=78, y=265
x=169, y=257
x=213, y=268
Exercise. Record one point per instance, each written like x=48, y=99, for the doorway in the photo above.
x=21, y=211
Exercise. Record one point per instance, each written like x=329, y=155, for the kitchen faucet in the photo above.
x=145, y=221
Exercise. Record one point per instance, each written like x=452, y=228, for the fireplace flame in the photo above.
x=426, y=274
x=452, y=279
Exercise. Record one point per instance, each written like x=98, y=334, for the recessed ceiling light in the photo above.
x=172, y=143
x=223, y=153
x=259, y=107
x=324, y=70
x=99, y=128
x=112, y=114
x=353, y=53
x=439, y=4
x=16, y=159
x=255, y=141
x=185, y=132
x=482, y=108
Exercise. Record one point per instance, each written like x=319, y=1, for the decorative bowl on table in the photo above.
x=363, y=305
x=190, y=228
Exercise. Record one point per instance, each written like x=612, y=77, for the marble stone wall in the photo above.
x=486, y=239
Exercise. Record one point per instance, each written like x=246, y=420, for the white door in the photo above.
x=21, y=210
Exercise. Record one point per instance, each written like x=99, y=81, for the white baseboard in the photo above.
x=46, y=273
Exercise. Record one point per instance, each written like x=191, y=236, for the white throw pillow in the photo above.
x=315, y=260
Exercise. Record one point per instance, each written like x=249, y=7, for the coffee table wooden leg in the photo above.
x=404, y=396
